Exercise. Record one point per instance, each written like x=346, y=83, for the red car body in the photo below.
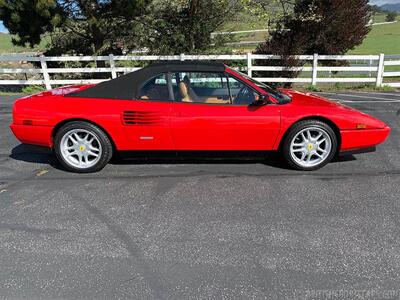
x=171, y=125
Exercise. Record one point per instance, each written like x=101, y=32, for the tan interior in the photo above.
x=188, y=95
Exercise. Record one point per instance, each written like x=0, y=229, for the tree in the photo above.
x=269, y=9
x=80, y=26
x=391, y=16
x=375, y=9
x=324, y=26
x=29, y=19
x=109, y=26
x=185, y=26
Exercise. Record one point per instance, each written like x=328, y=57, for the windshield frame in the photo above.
x=279, y=96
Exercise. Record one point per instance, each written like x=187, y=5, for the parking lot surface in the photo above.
x=184, y=229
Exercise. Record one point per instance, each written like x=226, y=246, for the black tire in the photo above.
x=106, y=146
x=297, y=128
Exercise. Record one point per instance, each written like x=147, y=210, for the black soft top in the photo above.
x=128, y=86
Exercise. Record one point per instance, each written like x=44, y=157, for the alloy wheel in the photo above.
x=311, y=147
x=80, y=148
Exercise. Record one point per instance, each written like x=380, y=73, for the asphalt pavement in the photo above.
x=203, y=230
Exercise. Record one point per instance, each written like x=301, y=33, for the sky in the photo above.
x=381, y=2
x=375, y=2
x=2, y=28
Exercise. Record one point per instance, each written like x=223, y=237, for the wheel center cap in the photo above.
x=82, y=148
x=310, y=147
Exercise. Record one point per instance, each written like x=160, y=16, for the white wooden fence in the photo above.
x=368, y=68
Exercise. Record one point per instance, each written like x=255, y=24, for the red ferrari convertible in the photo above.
x=186, y=106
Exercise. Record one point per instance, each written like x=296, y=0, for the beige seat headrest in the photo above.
x=184, y=90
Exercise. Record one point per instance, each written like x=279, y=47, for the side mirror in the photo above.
x=261, y=101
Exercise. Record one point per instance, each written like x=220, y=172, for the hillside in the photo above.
x=382, y=39
x=6, y=46
x=391, y=7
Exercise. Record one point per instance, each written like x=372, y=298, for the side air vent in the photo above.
x=144, y=118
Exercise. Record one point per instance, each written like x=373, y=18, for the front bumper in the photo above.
x=354, y=140
x=34, y=135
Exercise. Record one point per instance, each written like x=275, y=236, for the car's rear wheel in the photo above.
x=309, y=145
x=82, y=147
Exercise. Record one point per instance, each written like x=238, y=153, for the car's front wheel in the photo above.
x=309, y=145
x=82, y=147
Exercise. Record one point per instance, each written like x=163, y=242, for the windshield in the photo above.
x=280, y=97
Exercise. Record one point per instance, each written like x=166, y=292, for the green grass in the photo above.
x=244, y=21
x=11, y=93
x=6, y=46
x=379, y=18
x=381, y=39
x=243, y=25
x=337, y=87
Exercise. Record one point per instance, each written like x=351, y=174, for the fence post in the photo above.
x=112, y=66
x=249, y=65
x=315, y=70
x=381, y=68
x=46, y=76
x=182, y=57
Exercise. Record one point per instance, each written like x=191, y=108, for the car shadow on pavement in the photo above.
x=42, y=155
x=32, y=154
x=276, y=163
x=271, y=159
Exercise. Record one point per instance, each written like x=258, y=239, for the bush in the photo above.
x=313, y=88
x=391, y=16
x=33, y=89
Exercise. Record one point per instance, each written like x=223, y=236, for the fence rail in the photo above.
x=371, y=66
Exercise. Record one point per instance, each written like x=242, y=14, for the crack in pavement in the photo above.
x=138, y=261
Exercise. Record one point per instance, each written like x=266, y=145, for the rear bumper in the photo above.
x=34, y=135
x=356, y=140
